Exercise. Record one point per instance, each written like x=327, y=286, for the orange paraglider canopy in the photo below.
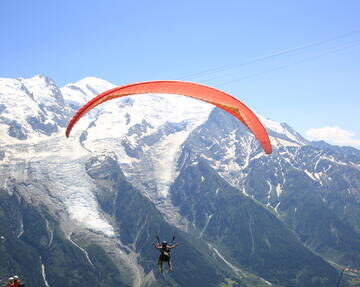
x=201, y=92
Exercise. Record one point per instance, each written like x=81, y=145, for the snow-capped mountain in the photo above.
x=145, y=133
x=151, y=144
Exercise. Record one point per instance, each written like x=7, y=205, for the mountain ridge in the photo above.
x=154, y=148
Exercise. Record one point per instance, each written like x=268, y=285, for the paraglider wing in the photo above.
x=193, y=90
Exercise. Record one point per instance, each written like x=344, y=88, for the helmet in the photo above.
x=164, y=243
x=11, y=278
x=16, y=277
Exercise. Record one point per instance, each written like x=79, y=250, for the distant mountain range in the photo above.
x=85, y=209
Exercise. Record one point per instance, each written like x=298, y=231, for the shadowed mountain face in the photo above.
x=87, y=209
x=248, y=234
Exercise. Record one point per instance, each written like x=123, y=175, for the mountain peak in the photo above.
x=85, y=89
x=92, y=81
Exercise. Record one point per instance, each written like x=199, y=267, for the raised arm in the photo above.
x=157, y=246
x=173, y=246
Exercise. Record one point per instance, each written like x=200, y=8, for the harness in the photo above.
x=165, y=253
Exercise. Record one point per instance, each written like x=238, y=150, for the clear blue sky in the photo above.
x=129, y=41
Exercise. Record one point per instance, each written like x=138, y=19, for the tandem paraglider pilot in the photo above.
x=165, y=254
